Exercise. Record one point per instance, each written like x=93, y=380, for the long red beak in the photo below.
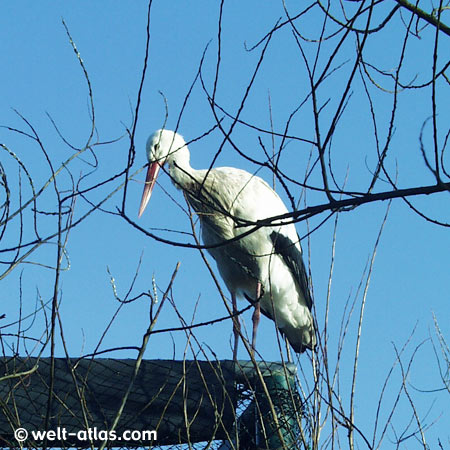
x=150, y=180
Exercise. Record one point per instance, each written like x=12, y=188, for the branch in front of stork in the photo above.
x=342, y=205
x=305, y=213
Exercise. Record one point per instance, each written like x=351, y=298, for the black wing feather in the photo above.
x=292, y=256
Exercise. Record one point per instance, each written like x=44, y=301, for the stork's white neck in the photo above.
x=180, y=170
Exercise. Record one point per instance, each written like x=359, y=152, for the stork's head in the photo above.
x=163, y=146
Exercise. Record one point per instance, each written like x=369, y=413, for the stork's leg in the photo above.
x=236, y=326
x=256, y=315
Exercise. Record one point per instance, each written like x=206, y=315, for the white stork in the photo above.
x=265, y=266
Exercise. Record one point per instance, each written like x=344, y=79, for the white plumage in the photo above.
x=266, y=263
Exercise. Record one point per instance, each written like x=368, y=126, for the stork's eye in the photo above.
x=157, y=146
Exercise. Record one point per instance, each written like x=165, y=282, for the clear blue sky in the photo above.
x=40, y=74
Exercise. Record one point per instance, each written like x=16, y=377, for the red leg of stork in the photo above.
x=256, y=316
x=236, y=327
